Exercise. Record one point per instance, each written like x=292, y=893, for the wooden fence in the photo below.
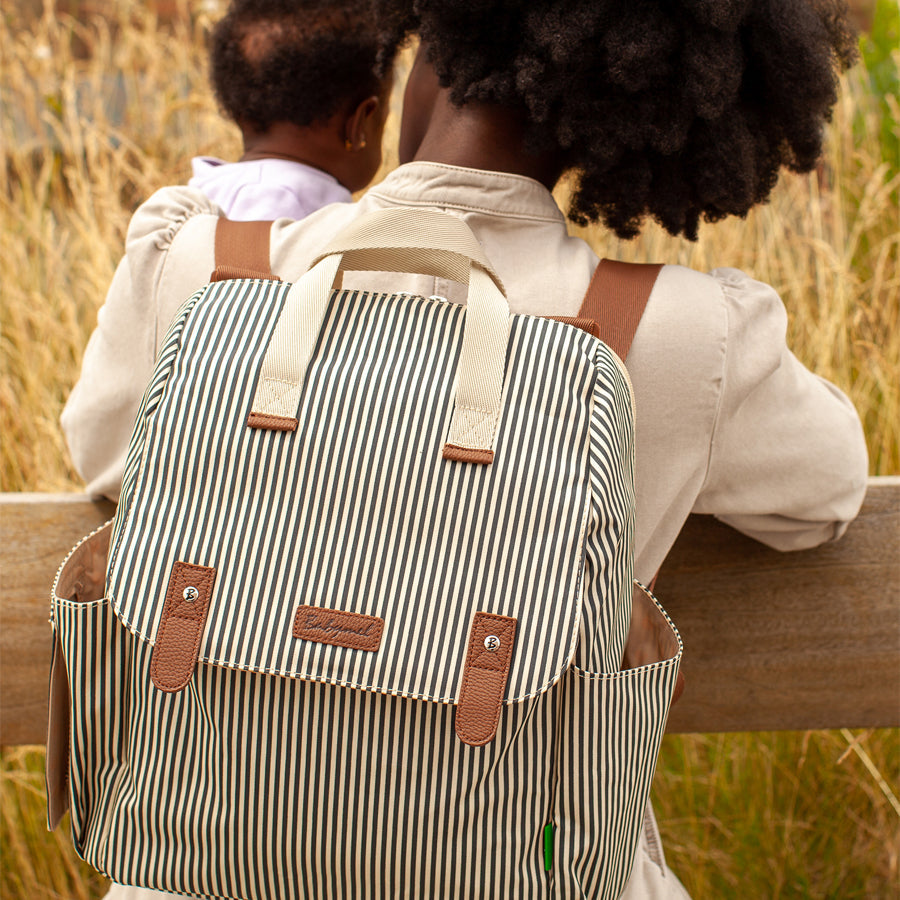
x=772, y=640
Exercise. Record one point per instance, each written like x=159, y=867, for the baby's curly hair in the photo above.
x=299, y=61
x=677, y=109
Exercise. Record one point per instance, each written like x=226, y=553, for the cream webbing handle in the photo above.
x=399, y=240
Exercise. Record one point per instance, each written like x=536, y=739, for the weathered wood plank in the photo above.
x=799, y=640
x=772, y=641
x=36, y=532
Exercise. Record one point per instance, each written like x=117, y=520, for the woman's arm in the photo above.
x=788, y=461
x=147, y=289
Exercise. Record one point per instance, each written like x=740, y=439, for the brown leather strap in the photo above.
x=615, y=300
x=485, y=672
x=242, y=250
x=177, y=646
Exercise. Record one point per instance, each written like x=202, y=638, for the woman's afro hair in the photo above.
x=300, y=61
x=677, y=109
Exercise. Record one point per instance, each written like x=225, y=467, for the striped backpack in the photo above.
x=363, y=625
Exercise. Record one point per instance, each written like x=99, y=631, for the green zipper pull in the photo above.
x=548, y=847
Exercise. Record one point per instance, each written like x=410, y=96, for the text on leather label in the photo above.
x=337, y=627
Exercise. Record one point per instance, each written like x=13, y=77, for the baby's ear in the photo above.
x=362, y=120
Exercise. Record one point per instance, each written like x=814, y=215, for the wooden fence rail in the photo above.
x=772, y=640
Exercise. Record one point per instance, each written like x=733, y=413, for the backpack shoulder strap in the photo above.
x=242, y=250
x=616, y=298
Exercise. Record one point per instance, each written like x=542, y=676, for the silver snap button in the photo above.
x=492, y=643
x=190, y=593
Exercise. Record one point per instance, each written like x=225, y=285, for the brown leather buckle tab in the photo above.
x=181, y=627
x=486, y=671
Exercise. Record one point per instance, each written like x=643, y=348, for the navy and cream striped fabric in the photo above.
x=293, y=769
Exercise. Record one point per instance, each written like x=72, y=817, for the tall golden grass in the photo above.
x=100, y=112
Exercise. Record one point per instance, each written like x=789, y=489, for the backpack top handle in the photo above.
x=403, y=240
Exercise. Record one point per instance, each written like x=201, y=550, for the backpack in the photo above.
x=364, y=625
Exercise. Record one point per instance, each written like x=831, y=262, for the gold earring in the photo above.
x=362, y=143
x=348, y=145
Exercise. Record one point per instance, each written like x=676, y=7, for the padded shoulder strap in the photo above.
x=615, y=300
x=242, y=250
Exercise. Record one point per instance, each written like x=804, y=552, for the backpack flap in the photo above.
x=351, y=548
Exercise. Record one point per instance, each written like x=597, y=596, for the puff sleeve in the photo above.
x=788, y=461
x=118, y=361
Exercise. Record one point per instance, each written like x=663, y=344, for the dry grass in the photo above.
x=782, y=815
x=34, y=863
x=84, y=139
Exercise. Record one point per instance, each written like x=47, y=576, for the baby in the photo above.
x=308, y=83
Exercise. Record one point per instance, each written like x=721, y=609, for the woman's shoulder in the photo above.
x=171, y=240
x=178, y=213
x=722, y=301
x=701, y=288
x=161, y=216
x=296, y=243
x=709, y=330
x=722, y=286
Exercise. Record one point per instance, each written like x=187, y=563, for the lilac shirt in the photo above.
x=264, y=189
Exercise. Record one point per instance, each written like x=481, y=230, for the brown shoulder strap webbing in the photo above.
x=615, y=300
x=242, y=250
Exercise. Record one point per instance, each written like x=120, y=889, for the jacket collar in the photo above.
x=473, y=190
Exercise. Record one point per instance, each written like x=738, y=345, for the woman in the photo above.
x=674, y=111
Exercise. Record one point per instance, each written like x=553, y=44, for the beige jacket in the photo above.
x=728, y=421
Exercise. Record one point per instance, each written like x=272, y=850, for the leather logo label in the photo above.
x=339, y=628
